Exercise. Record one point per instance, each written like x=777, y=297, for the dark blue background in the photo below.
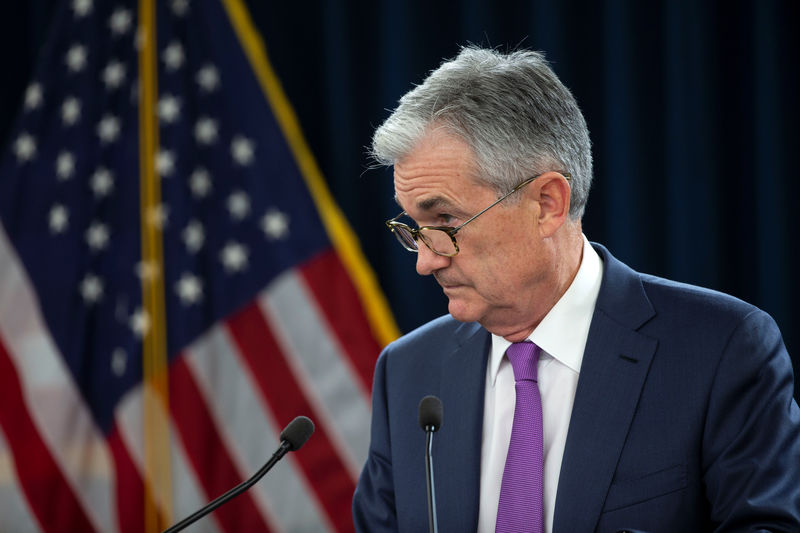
x=692, y=108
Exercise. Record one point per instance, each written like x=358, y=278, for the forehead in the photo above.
x=439, y=172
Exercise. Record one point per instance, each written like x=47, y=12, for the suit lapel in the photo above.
x=457, y=446
x=615, y=365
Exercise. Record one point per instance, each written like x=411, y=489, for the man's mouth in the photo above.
x=447, y=284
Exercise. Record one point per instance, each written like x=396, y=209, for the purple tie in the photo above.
x=520, y=506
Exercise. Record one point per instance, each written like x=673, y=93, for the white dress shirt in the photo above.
x=562, y=337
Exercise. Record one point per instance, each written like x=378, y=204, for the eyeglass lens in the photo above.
x=437, y=240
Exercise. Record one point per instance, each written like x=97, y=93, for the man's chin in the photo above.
x=463, y=312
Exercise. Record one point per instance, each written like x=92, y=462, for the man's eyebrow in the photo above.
x=429, y=203
x=434, y=202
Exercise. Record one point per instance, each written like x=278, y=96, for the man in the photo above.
x=639, y=403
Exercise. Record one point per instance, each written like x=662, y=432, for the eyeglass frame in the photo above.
x=450, y=230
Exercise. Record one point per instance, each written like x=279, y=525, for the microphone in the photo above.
x=430, y=420
x=296, y=433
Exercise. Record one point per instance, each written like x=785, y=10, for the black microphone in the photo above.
x=292, y=438
x=430, y=420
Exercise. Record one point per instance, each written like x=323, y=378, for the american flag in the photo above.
x=176, y=285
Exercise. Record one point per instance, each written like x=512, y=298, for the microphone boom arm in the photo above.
x=293, y=437
x=232, y=493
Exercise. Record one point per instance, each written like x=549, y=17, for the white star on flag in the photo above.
x=102, y=182
x=120, y=21
x=173, y=56
x=33, y=96
x=208, y=78
x=238, y=205
x=275, y=224
x=159, y=216
x=91, y=288
x=25, y=147
x=193, y=236
x=76, y=58
x=205, y=130
x=169, y=109
x=65, y=165
x=242, y=150
x=180, y=7
x=200, y=182
x=81, y=8
x=189, y=289
x=113, y=75
x=108, y=129
x=140, y=322
x=97, y=236
x=165, y=163
x=58, y=219
x=119, y=361
x=70, y=111
x=234, y=257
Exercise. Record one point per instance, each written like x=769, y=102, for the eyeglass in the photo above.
x=441, y=240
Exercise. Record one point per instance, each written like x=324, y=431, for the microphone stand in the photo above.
x=432, y=522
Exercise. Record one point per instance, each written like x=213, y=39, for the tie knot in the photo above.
x=523, y=357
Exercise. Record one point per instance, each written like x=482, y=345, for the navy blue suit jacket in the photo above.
x=683, y=419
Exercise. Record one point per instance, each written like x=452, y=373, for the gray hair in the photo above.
x=511, y=109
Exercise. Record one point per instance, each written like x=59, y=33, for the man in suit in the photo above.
x=639, y=403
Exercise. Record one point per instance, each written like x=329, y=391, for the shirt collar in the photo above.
x=563, y=331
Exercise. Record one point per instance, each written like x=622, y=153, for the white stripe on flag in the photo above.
x=55, y=404
x=15, y=515
x=320, y=365
x=186, y=494
x=250, y=433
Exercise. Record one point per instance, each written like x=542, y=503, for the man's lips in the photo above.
x=448, y=284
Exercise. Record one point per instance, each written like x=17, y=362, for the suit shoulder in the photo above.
x=438, y=330
x=667, y=295
x=421, y=352
x=633, y=298
x=703, y=316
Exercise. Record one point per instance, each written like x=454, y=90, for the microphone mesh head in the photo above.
x=297, y=432
x=430, y=413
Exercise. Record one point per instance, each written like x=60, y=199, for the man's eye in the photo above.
x=445, y=219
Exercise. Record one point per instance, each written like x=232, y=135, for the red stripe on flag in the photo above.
x=323, y=468
x=207, y=453
x=337, y=297
x=129, y=486
x=49, y=494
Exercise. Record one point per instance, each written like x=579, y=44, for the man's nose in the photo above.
x=429, y=262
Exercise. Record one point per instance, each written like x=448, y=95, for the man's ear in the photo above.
x=552, y=191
